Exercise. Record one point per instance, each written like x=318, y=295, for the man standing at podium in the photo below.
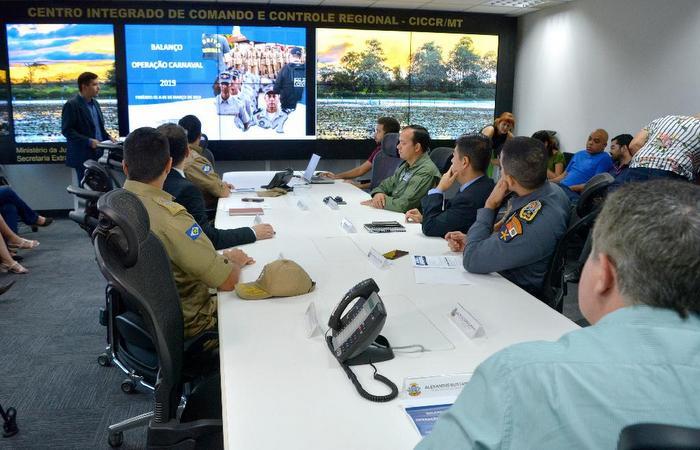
x=82, y=124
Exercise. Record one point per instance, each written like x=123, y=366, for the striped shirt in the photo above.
x=673, y=145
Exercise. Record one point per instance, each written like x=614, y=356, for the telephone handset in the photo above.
x=355, y=339
x=280, y=180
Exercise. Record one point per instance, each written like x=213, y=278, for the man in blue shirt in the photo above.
x=639, y=362
x=585, y=164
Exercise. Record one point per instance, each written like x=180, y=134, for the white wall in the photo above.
x=612, y=64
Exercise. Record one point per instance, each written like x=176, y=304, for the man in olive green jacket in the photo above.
x=413, y=178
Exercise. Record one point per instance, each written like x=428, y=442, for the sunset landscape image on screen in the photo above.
x=45, y=61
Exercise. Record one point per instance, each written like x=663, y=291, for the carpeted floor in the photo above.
x=50, y=338
x=49, y=341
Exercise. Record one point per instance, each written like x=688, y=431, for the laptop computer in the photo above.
x=309, y=176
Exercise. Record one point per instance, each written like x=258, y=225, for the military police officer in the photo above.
x=520, y=246
x=196, y=266
x=198, y=169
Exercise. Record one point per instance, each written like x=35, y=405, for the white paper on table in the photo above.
x=246, y=181
x=235, y=202
x=443, y=276
x=437, y=262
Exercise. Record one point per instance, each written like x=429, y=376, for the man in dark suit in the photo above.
x=189, y=196
x=82, y=124
x=470, y=159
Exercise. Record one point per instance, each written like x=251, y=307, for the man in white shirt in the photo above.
x=229, y=105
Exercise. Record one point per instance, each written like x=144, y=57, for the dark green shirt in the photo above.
x=408, y=185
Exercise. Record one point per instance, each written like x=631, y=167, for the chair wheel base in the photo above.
x=116, y=439
x=128, y=386
x=104, y=360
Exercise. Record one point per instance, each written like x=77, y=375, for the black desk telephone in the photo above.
x=280, y=180
x=355, y=339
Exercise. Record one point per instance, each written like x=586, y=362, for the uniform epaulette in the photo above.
x=173, y=207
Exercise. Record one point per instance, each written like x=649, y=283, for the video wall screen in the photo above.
x=44, y=63
x=242, y=82
x=4, y=107
x=443, y=81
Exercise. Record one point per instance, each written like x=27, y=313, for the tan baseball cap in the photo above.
x=281, y=278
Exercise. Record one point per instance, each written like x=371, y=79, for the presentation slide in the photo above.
x=45, y=61
x=242, y=82
x=443, y=81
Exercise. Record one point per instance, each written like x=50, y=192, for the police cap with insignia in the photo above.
x=225, y=78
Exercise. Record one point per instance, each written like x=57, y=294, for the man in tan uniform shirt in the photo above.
x=196, y=266
x=198, y=169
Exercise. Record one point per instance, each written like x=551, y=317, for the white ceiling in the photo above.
x=506, y=7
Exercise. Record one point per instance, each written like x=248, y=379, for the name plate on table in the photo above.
x=466, y=322
x=378, y=259
x=332, y=204
x=311, y=321
x=301, y=204
x=435, y=386
x=347, y=225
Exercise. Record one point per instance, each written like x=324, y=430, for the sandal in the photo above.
x=14, y=268
x=23, y=243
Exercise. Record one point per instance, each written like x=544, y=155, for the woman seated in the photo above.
x=556, y=162
x=13, y=208
x=11, y=242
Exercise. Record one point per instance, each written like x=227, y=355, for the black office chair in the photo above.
x=594, y=193
x=95, y=182
x=555, y=285
x=442, y=158
x=111, y=160
x=135, y=263
x=386, y=161
x=579, y=245
x=653, y=436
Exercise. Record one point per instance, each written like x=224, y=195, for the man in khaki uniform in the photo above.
x=196, y=266
x=198, y=169
x=412, y=179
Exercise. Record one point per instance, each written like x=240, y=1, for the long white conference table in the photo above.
x=284, y=390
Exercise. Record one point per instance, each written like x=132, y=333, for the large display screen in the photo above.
x=242, y=82
x=45, y=61
x=4, y=107
x=445, y=82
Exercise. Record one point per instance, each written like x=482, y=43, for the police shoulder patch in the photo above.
x=194, y=231
x=510, y=229
x=529, y=211
x=172, y=207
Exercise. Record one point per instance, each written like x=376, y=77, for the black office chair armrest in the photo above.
x=171, y=434
x=83, y=193
x=196, y=344
x=646, y=436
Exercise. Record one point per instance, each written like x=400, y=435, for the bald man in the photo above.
x=585, y=164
